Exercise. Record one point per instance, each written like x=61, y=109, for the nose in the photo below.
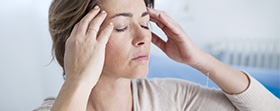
x=140, y=36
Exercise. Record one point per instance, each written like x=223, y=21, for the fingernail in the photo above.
x=162, y=15
x=111, y=24
x=103, y=11
x=96, y=7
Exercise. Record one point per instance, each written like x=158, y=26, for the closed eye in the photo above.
x=145, y=27
x=121, y=30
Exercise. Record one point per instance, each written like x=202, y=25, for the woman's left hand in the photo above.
x=179, y=46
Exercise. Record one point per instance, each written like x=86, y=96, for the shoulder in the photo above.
x=175, y=89
x=183, y=94
x=162, y=81
x=167, y=93
x=46, y=105
x=167, y=84
x=171, y=82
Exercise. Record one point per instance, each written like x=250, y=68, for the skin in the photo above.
x=99, y=61
x=124, y=46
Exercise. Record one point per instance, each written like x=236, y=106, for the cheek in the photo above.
x=116, y=54
x=120, y=51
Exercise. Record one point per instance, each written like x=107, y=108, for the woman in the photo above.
x=103, y=46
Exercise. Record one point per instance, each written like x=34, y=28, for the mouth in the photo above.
x=141, y=57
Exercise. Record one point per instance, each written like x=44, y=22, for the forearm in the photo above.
x=73, y=96
x=227, y=78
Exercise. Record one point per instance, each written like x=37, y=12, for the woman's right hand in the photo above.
x=85, y=48
x=83, y=61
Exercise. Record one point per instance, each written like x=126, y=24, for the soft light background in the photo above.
x=25, y=44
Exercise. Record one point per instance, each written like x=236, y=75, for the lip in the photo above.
x=141, y=57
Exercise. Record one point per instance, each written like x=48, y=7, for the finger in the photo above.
x=155, y=14
x=94, y=25
x=105, y=34
x=168, y=32
x=159, y=24
x=84, y=23
x=154, y=17
x=158, y=41
x=171, y=26
x=162, y=20
x=74, y=31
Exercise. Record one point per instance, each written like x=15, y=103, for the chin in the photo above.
x=130, y=72
x=138, y=73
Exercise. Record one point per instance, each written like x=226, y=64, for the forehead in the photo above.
x=136, y=7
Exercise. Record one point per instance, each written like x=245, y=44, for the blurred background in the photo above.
x=242, y=33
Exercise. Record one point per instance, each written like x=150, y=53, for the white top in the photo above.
x=167, y=94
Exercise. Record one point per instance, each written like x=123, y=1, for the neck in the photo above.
x=111, y=94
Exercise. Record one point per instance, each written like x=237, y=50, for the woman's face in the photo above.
x=127, y=51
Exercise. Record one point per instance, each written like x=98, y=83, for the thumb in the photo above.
x=158, y=41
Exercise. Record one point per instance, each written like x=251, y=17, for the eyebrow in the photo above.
x=144, y=14
x=128, y=15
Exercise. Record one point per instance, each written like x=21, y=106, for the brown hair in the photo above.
x=63, y=15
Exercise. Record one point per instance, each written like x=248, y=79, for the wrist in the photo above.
x=73, y=94
x=81, y=81
x=204, y=63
